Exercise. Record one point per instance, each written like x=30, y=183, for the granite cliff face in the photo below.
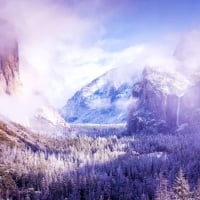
x=9, y=59
x=165, y=102
x=190, y=106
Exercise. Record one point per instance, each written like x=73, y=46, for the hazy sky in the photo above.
x=64, y=44
x=131, y=22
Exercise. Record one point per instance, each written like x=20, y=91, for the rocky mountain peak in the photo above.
x=165, y=101
x=9, y=59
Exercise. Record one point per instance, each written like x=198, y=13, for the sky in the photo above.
x=65, y=44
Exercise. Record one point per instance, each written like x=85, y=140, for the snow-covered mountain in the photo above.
x=105, y=100
x=165, y=101
x=154, y=100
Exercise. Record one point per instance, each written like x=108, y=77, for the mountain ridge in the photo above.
x=165, y=101
x=104, y=100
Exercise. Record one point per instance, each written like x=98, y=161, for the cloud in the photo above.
x=19, y=108
x=56, y=53
x=101, y=103
x=178, y=51
x=187, y=51
x=50, y=40
x=62, y=47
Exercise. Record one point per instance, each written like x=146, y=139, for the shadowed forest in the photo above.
x=103, y=168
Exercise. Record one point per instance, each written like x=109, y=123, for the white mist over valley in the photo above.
x=99, y=100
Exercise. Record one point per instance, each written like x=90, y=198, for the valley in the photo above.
x=150, y=156
x=99, y=100
x=95, y=167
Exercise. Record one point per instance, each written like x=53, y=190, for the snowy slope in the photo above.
x=47, y=120
x=105, y=100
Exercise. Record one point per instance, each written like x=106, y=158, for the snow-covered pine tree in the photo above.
x=163, y=192
x=196, y=194
x=181, y=188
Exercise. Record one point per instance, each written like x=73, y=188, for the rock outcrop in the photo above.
x=9, y=59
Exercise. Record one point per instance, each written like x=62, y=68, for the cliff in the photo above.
x=9, y=59
x=165, y=102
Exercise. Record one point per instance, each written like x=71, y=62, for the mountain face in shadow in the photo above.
x=9, y=58
x=166, y=101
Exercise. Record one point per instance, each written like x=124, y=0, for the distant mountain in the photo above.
x=103, y=101
x=155, y=100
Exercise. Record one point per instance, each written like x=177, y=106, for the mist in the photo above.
x=60, y=50
x=45, y=32
x=187, y=52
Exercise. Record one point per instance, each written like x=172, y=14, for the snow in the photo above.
x=169, y=82
x=100, y=103
x=108, y=98
x=104, y=100
x=48, y=121
x=50, y=114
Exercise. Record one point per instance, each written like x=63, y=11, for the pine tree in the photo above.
x=163, y=192
x=27, y=197
x=197, y=191
x=181, y=188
